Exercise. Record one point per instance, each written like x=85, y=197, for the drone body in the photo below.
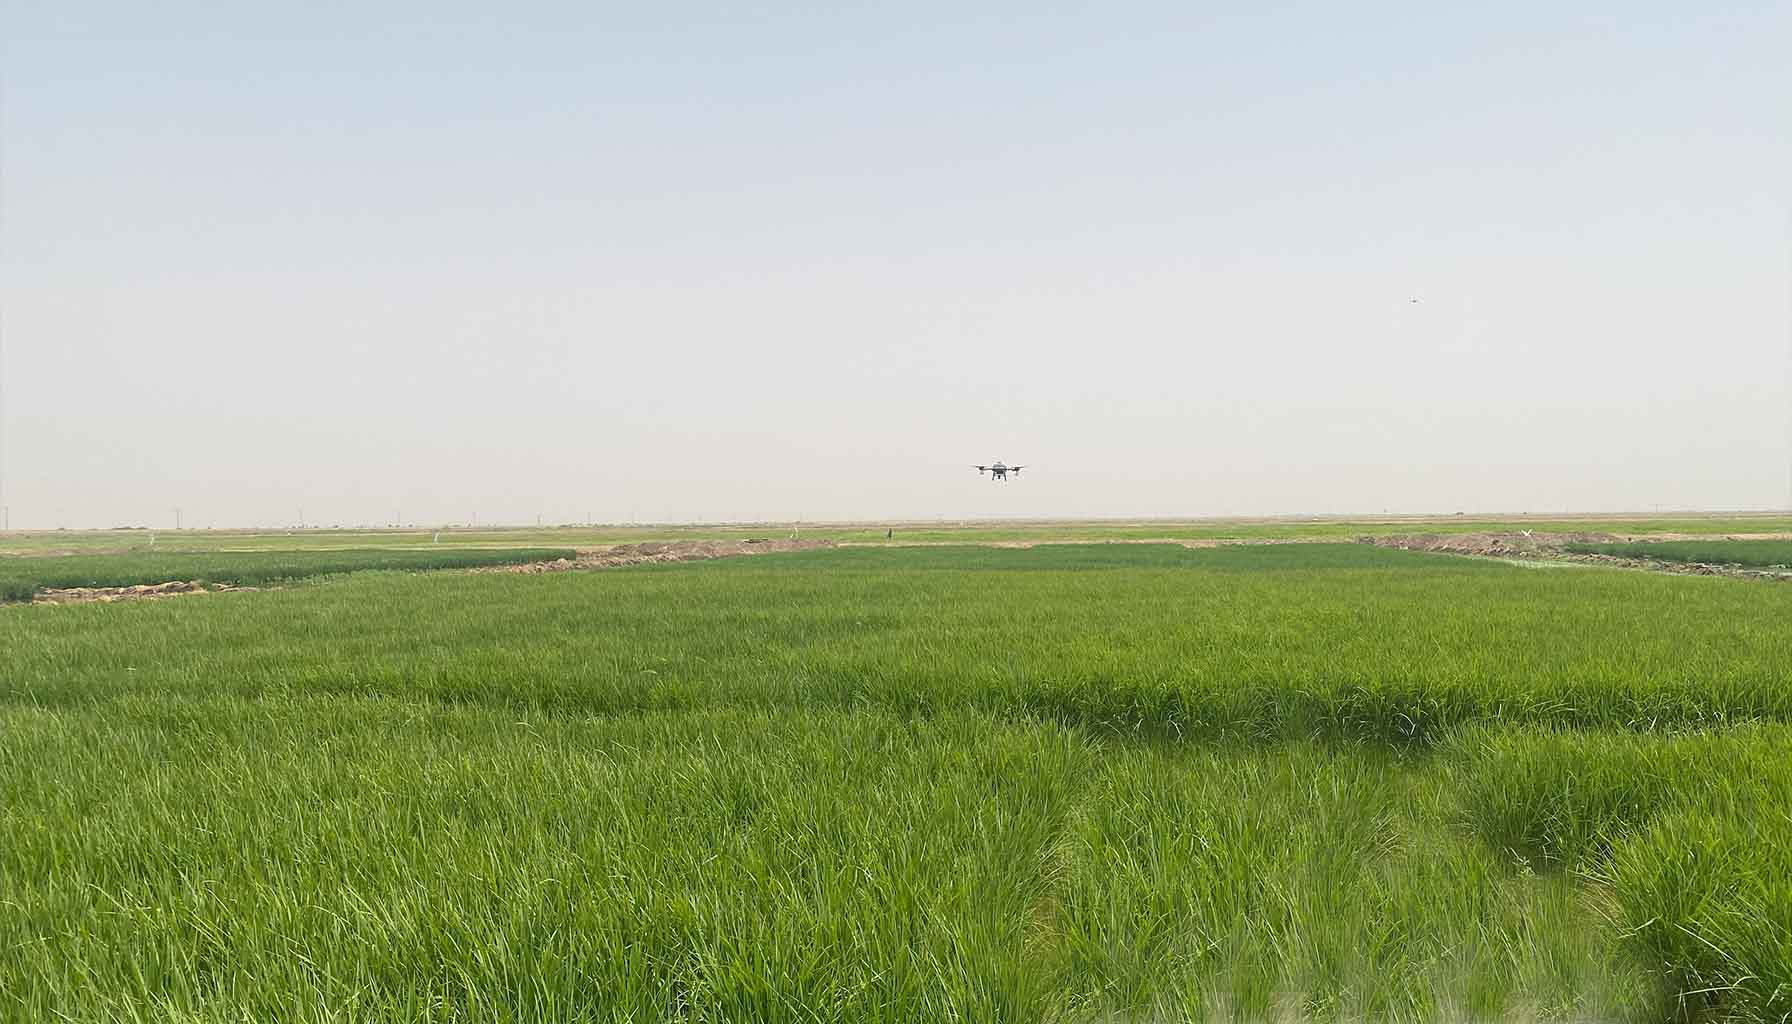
x=998, y=471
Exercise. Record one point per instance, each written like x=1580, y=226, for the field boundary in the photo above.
x=655, y=553
x=1551, y=548
x=77, y=579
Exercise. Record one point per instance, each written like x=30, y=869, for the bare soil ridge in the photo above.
x=653, y=552
x=140, y=591
x=595, y=558
x=1550, y=547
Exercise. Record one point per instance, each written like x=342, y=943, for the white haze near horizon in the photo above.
x=677, y=261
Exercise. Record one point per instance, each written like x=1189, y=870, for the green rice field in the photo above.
x=1110, y=782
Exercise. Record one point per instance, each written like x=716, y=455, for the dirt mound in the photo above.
x=1503, y=545
x=85, y=595
x=660, y=551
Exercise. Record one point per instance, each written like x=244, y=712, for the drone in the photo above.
x=999, y=471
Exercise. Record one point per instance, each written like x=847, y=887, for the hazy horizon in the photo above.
x=687, y=263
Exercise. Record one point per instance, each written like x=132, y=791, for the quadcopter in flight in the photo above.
x=999, y=471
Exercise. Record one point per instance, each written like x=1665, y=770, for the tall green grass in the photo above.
x=1690, y=834
x=22, y=577
x=1707, y=896
x=1402, y=649
x=374, y=859
x=1119, y=783
x=1762, y=553
x=1315, y=881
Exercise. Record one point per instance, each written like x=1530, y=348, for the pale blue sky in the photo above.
x=683, y=261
